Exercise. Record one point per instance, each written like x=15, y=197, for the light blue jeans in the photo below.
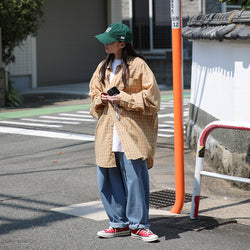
x=124, y=192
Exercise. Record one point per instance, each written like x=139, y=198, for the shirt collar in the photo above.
x=129, y=61
x=109, y=67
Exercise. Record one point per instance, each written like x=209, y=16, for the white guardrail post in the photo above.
x=200, y=159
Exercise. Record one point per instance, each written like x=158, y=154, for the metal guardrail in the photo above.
x=200, y=159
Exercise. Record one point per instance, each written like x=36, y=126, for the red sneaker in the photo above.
x=114, y=232
x=144, y=234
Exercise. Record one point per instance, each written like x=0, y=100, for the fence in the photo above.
x=200, y=159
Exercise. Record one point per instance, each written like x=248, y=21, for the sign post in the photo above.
x=178, y=106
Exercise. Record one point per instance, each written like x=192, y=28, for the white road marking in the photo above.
x=164, y=135
x=169, y=105
x=67, y=118
x=170, y=122
x=75, y=119
x=50, y=134
x=83, y=112
x=166, y=130
x=50, y=121
x=166, y=115
x=94, y=210
x=91, y=210
x=30, y=124
x=76, y=115
x=172, y=114
x=165, y=126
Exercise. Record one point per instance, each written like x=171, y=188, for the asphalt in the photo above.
x=222, y=203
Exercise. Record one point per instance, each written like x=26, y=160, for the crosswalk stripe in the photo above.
x=166, y=115
x=165, y=135
x=50, y=121
x=83, y=112
x=165, y=126
x=67, y=118
x=166, y=130
x=76, y=115
x=55, y=121
x=91, y=210
x=170, y=122
x=31, y=124
x=50, y=134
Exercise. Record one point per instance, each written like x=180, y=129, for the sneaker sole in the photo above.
x=146, y=239
x=112, y=235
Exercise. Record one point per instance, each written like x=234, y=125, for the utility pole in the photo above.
x=178, y=106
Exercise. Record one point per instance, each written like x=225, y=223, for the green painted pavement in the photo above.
x=51, y=110
x=42, y=111
x=170, y=96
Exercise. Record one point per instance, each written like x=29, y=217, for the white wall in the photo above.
x=220, y=82
x=25, y=63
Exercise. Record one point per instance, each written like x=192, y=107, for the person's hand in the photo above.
x=115, y=99
x=104, y=98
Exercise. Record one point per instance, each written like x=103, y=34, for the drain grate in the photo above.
x=166, y=198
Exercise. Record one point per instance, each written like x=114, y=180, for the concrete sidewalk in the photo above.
x=223, y=202
x=76, y=89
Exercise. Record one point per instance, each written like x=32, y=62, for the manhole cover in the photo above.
x=166, y=198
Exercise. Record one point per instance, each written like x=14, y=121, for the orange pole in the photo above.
x=178, y=106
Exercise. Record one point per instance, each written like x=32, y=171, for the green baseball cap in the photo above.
x=116, y=32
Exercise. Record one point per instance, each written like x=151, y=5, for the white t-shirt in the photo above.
x=115, y=63
x=117, y=146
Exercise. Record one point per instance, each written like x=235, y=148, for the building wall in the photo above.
x=220, y=83
x=67, y=52
x=2, y=76
x=220, y=91
x=21, y=70
x=114, y=11
x=2, y=86
x=66, y=48
x=126, y=9
x=190, y=8
x=162, y=65
x=213, y=6
x=162, y=68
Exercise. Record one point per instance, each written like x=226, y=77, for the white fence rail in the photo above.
x=200, y=159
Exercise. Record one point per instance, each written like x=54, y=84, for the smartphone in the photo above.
x=113, y=91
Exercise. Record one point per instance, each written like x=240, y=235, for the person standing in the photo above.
x=125, y=99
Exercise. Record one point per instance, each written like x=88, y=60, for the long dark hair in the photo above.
x=127, y=52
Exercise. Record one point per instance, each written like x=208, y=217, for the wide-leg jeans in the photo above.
x=124, y=192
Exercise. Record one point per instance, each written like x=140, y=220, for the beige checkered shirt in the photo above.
x=137, y=125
